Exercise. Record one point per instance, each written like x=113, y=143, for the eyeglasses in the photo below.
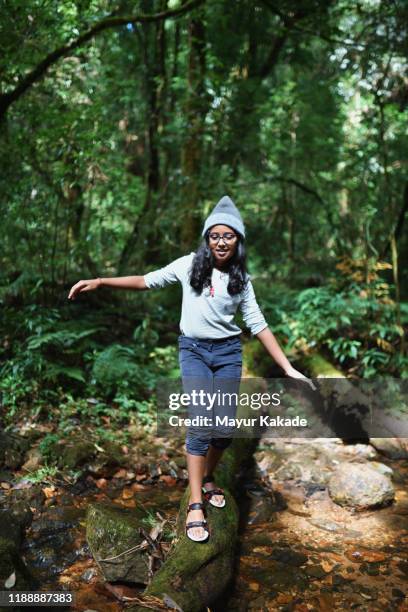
x=227, y=237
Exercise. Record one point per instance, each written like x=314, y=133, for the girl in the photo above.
x=215, y=283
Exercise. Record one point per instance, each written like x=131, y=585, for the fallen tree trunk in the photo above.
x=194, y=575
x=386, y=432
x=319, y=366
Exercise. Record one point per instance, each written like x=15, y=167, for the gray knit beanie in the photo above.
x=225, y=213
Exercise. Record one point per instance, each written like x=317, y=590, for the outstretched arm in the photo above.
x=271, y=345
x=120, y=282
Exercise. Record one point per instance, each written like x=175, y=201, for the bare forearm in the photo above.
x=270, y=343
x=124, y=282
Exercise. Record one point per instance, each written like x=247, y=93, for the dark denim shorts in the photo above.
x=214, y=367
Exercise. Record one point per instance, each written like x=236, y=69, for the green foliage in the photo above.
x=43, y=475
x=309, y=138
x=352, y=316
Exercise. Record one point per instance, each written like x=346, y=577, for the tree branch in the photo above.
x=37, y=73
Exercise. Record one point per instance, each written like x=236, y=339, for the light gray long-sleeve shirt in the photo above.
x=205, y=316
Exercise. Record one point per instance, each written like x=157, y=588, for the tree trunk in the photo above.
x=141, y=242
x=195, y=110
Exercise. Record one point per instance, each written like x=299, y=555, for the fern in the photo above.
x=62, y=339
x=115, y=364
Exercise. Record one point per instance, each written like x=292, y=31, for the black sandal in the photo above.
x=203, y=524
x=208, y=494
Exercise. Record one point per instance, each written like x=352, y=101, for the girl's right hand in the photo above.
x=84, y=285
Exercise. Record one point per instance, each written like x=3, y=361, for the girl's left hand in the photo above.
x=293, y=373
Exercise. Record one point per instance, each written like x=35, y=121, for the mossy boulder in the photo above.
x=110, y=531
x=78, y=451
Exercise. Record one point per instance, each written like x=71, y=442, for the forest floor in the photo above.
x=298, y=549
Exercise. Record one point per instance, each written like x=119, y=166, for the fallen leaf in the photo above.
x=327, y=565
x=122, y=473
x=138, y=487
x=170, y=480
x=5, y=485
x=49, y=491
x=101, y=483
x=11, y=581
x=127, y=492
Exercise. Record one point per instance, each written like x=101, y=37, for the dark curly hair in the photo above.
x=203, y=264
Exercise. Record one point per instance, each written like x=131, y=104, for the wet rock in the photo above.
x=261, y=510
x=360, y=486
x=83, y=486
x=281, y=577
x=110, y=531
x=88, y=574
x=22, y=502
x=10, y=559
x=394, y=448
x=287, y=555
x=315, y=571
x=12, y=450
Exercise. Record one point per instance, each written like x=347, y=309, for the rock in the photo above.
x=78, y=451
x=111, y=530
x=88, y=574
x=360, y=486
x=12, y=450
x=315, y=571
x=393, y=448
x=20, y=504
x=382, y=468
x=262, y=510
x=73, y=454
x=113, y=454
x=287, y=555
x=34, y=459
x=10, y=559
x=359, y=451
